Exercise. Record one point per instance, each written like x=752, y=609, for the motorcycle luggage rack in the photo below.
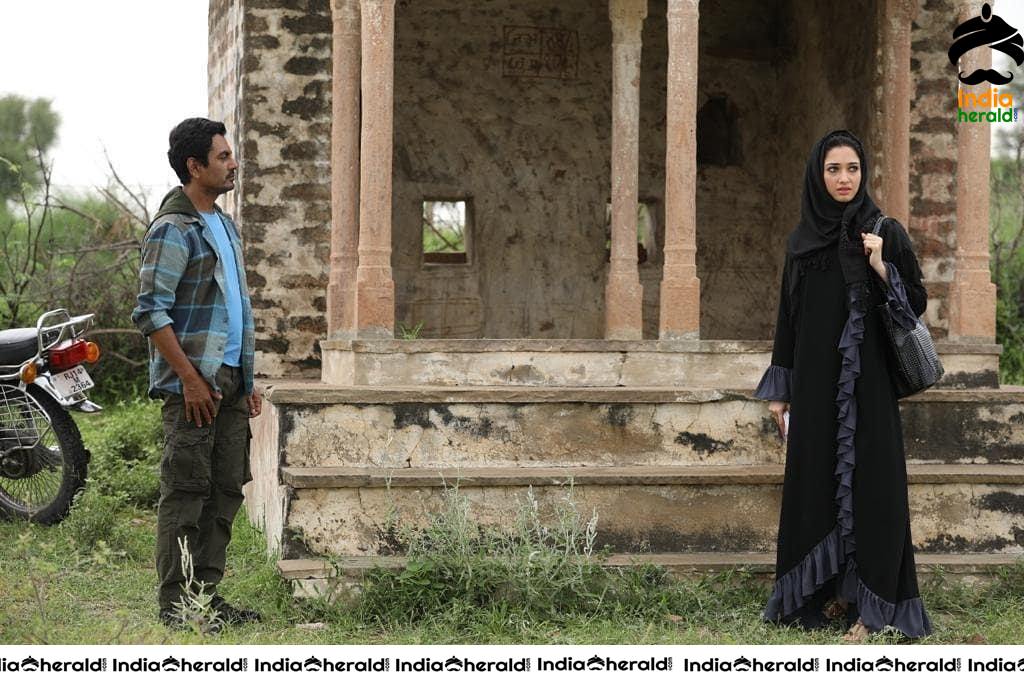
x=51, y=333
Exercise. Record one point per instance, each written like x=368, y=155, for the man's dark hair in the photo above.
x=192, y=138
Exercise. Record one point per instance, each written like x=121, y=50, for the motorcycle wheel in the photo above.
x=56, y=466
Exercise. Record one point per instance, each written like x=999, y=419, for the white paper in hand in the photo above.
x=785, y=429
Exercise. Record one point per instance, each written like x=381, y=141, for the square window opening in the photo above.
x=445, y=231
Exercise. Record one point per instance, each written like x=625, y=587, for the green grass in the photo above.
x=52, y=591
x=91, y=580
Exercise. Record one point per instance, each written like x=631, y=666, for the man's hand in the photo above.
x=255, y=403
x=200, y=400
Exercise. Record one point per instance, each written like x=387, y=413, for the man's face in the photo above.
x=218, y=175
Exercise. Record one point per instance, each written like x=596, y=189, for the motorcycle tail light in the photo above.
x=28, y=373
x=92, y=352
x=68, y=355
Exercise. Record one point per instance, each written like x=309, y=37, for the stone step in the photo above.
x=695, y=562
x=354, y=511
x=310, y=392
x=318, y=425
x=591, y=362
x=318, y=577
x=479, y=477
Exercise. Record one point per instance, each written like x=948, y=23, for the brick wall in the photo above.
x=933, y=156
x=284, y=124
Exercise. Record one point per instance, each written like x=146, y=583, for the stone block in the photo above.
x=529, y=435
x=641, y=518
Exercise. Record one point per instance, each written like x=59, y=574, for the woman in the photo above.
x=844, y=533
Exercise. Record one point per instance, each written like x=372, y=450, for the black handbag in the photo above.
x=911, y=351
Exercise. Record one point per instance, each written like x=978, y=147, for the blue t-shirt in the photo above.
x=233, y=347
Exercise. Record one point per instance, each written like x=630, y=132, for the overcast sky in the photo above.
x=121, y=73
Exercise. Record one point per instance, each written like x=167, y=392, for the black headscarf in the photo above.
x=825, y=222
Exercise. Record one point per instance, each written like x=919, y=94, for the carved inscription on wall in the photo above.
x=535, y=52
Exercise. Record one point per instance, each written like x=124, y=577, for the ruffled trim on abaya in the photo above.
x=908, y=616
x=775, y=384
x=846, y=402
x=801, y=582
x=837, y=550
x=823, y=563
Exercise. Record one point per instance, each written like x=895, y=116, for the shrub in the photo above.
x=120, y=374
x=126, y=444
x=1010, y=333
x=532, y=571
x=1008, y=582
x=94, y=521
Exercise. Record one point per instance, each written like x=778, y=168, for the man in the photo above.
x=194, y=307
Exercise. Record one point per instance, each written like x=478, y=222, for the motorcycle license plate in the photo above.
x=74, y=380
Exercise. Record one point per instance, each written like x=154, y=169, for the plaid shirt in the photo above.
x=182, y=284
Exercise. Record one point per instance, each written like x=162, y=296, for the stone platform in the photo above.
x=668, y=471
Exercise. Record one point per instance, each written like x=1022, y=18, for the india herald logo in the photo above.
x=987, y=30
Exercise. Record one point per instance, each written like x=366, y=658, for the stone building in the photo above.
x=625, y=173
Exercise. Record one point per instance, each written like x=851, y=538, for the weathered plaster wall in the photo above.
x=739, y=51
x=533, y=153
x=824, y=80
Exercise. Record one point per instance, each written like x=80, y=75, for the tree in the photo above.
x=75, y=252
x=28, y=128
x=1006, y=240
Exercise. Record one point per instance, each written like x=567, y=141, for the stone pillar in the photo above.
x=341, y=287
x=892, y=179
x=972, y=295
x=623, y=298
x=680, y=287
x=375, y=287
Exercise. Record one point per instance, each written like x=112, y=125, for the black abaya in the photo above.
x=844, y=453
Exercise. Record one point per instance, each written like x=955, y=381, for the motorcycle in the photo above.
x=43, y=461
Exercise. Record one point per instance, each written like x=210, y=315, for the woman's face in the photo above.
x=842, y=173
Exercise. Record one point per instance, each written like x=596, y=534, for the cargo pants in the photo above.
x=202, y=472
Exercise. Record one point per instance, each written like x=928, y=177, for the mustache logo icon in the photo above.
x=982, y=75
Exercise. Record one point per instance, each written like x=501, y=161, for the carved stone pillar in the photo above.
x=972, y=295
x=375, y=287
x=893, y=177
x=623, y=298
x=341, y=287
x=680, y=287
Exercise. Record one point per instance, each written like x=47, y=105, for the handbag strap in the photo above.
x=878, y=224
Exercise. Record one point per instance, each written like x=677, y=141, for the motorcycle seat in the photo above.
x=18, y=345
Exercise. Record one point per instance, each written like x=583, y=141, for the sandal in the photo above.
x=857, y=633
